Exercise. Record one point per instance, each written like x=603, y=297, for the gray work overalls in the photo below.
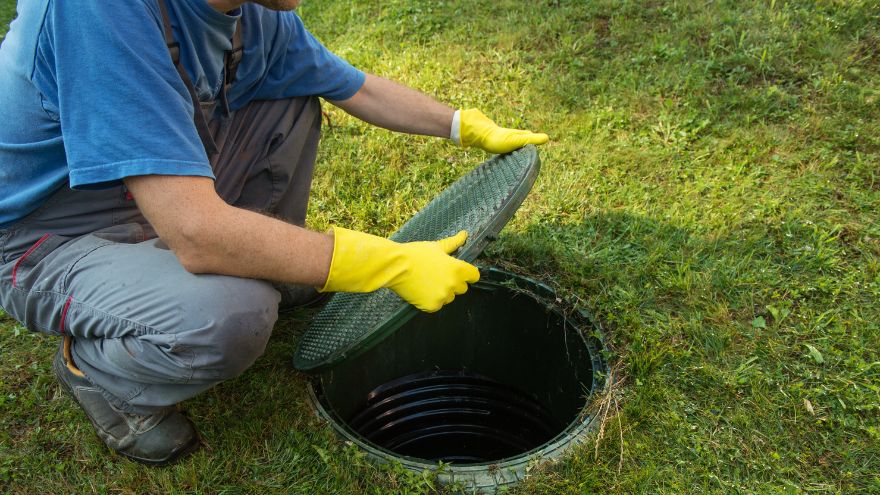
x=88, y=265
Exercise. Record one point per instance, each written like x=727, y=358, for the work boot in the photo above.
x=157, y=438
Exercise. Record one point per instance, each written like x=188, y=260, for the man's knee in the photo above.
x=235, y=349
x=229, y=330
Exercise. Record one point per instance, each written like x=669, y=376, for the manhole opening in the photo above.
x=454, y=416
x=497, y=375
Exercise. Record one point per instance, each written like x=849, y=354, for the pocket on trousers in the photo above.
x=25, y=273
x=23, y=291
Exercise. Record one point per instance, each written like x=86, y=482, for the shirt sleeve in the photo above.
x=123, y=109
x=293, y=61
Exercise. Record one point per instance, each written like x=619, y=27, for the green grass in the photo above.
x=711, y=194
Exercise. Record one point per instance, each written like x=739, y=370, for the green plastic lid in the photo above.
x=481, y=202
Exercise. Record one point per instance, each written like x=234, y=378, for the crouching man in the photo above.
x=155, y=164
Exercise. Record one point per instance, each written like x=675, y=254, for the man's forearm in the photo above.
x=210, y=236
x=396, y=107
x=243, y=243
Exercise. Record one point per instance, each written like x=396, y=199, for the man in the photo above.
x=155, y=163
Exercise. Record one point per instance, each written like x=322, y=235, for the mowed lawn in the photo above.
x=710, y=194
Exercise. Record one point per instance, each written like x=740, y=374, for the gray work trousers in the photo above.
x=145, y=331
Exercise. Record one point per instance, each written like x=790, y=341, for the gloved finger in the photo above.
x=431, y=307
x=449, y=298
x=537, y=138
x=513, y=135
x=450, y=244
x=460, y=288
x=469, y=273
x=528, y=137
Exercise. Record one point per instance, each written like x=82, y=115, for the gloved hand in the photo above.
x=478, y=130
x=422, y=273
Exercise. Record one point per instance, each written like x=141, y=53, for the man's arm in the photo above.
x=209, y=236
x=396, y=107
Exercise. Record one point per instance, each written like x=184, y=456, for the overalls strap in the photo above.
x=231, y=61
x=230, y=65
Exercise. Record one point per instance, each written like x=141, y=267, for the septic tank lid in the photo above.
x=481, y=202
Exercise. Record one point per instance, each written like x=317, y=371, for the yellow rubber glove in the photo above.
x=480, y=131
x=422, y=273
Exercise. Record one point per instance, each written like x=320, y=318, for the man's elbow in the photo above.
x=193, y=227
x=193, y=262
x=191, y=244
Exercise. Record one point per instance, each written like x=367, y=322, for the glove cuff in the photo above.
x=455, y=131
x=361, y=262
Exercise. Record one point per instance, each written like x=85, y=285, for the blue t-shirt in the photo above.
x=89, y=95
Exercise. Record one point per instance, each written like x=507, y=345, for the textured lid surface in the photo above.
x=481, y=202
